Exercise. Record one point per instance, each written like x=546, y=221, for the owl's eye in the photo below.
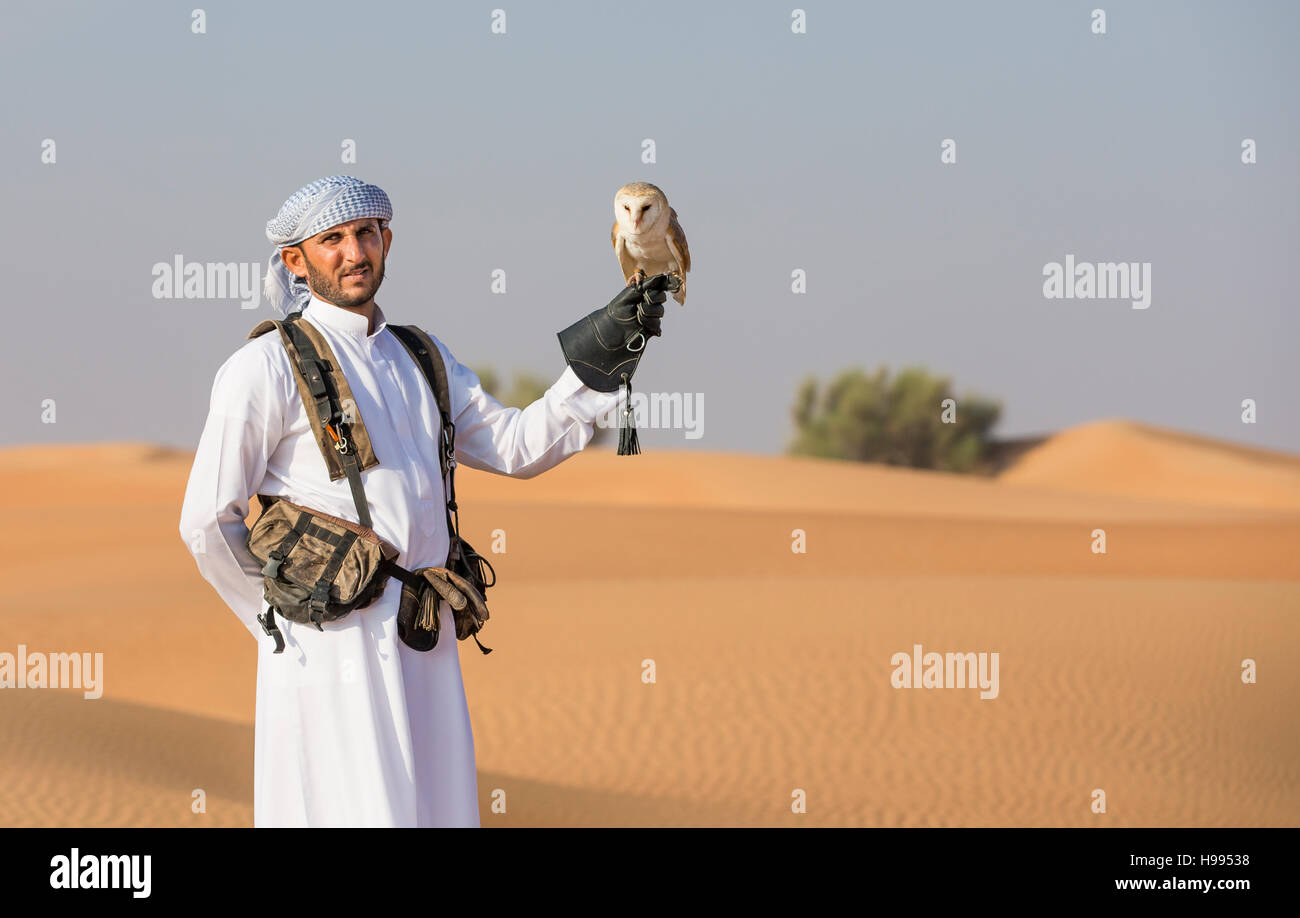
x=644, y=209
x=628, y=209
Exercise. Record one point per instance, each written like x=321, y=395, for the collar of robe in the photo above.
x=343, y=320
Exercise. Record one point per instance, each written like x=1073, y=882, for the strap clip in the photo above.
x=320, y=595
x=272, y=567
x=267, y=621
x=340, y=441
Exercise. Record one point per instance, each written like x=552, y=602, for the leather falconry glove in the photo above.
x=605, y=347
x=467, y=606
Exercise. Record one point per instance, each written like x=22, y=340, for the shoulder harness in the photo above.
x=337, y=424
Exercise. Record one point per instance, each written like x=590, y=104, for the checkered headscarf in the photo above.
x=313, y=209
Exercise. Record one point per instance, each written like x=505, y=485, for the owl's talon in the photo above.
x=637, y=278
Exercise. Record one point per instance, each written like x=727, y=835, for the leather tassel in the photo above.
x=628, y=444
x=428, y=611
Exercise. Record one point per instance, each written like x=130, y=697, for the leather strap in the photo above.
x=360, y=438
x=425, y=354
x=329, y=413
x=316, y=372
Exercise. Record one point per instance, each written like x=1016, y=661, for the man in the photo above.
x=353, y=727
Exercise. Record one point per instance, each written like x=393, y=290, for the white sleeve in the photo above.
x=245, y=424
x=522, y=442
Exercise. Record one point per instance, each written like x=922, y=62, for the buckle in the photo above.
x=273, y=561
x=319, y=597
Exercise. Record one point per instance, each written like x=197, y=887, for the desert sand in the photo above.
x=1118, y=671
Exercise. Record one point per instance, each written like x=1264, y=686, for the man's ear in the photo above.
x=388, y=240
x=294, y=260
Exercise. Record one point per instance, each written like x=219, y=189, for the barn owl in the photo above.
x=647, y=237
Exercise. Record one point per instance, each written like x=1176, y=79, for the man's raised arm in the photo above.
x=522, y=442
x=602, y=350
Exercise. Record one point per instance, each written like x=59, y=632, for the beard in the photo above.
x=331, y=291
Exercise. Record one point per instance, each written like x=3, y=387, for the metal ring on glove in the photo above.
x=636, y=350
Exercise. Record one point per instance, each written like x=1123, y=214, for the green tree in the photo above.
x=525, y=388
x=489, y=380
x=899, y=421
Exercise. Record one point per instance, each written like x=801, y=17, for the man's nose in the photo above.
x=352, y=250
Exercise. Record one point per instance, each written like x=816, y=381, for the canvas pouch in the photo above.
x=316, y=567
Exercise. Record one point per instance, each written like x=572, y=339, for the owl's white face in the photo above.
x=636, y=214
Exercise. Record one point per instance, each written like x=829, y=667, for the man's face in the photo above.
x=345, y=264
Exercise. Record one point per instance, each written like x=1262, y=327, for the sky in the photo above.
x=818, y=152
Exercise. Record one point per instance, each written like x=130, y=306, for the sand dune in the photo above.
x=1118, y=671
x=1127, y=459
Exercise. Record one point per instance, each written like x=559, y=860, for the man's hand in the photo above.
x=642, y=302
x=605, y=346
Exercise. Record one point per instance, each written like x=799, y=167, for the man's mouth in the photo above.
x=357, y=273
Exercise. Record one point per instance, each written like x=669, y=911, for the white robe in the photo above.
x=354, y=728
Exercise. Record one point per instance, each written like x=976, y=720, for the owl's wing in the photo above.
x=677, y=241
